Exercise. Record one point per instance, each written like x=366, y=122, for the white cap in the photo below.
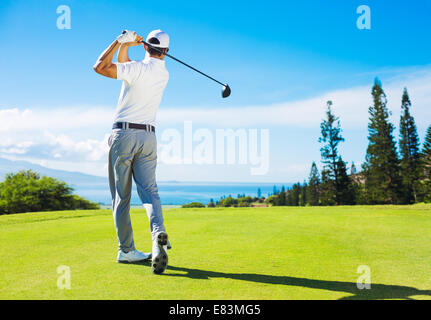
x=161, y=36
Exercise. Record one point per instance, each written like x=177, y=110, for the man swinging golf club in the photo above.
x=133, y=147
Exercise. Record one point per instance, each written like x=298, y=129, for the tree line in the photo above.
x=391, y=174
x=241, y=201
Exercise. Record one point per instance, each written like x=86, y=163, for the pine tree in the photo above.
x=327, y=190
x=282, y=197
x=356, y=185
x=381, y=167
x=313, y=189
x=334, y=168
x=303, y=198
x=344, y=188
x=426, y=167
x=426, y=150
x=295, y=194
x=409, y=149
x=211, y=203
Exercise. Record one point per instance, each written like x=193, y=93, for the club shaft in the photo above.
x=168, y=55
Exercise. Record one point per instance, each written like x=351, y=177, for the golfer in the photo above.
x=133, y=146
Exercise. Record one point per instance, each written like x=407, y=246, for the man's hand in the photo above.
x=137, y=42
x=129, y=37
x=123, y=54
x=104, y=65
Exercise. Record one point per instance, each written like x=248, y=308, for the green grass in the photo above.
x=234, y=253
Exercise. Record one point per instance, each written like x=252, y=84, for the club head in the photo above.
x=225, y=91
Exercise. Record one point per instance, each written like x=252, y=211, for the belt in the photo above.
x=128, y=125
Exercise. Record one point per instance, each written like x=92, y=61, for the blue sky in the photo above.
x=283, y=59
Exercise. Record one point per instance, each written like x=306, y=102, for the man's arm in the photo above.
x=123, y=54
x=104, y=65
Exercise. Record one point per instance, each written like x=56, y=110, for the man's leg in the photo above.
x=120, y=182
x=144, y=174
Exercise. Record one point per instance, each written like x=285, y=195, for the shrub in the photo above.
x=193, y=205
x=228, y=202
x=272, y=200
x=245, y=201
x=26, y=191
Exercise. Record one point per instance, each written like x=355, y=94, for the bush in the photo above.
x=193, y=205
x=245, y=201
x=84, y=204
x=272, y=200
x=26, y=191
x=228, y=202
x=3, y=207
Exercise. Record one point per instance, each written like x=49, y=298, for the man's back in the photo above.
x=143, y=85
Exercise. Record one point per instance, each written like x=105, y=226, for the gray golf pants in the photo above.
x=133, y=153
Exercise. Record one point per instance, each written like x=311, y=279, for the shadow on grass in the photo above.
x=377, y=291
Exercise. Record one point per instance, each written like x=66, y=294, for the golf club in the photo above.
x=225, y=91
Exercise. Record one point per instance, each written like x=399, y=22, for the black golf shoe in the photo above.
x=159, y=256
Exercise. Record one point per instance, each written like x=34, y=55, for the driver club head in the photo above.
x=225, y=91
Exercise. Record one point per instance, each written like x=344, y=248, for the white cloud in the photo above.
x=351, y=105
x=13, y=150
x=60, y=119
x=89, y=149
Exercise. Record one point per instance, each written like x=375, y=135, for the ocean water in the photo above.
x=176, y=193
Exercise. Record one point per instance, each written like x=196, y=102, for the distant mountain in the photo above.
x=173, y=192
x=71, y=178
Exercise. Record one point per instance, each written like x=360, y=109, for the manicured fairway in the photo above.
x=235, y=253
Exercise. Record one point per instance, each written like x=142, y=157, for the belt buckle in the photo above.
x=124, y=125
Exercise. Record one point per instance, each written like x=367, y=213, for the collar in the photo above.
x=153, y=60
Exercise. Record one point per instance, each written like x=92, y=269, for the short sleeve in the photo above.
x=128, y=71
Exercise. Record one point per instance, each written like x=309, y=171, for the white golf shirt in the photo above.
x=143, y=85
